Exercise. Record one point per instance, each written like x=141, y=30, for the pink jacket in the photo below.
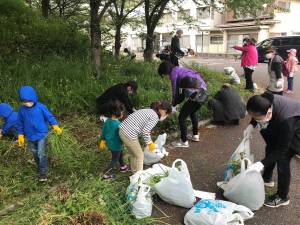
x=292, y=64
x=250, y=56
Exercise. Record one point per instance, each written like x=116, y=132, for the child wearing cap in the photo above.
x=292, y=67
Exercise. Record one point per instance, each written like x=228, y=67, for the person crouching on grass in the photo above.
x=110, y=139
x=140, y=123
x=10, y=120
x=32, y=124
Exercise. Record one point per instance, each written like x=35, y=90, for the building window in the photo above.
x=283, y=6
x=203, y=13
x=182, y=15
x=167, y=18
x=216, y=40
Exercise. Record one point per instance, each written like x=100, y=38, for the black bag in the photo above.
x=199, y=96
x=189, y=82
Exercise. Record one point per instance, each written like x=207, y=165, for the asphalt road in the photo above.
x=206, y=159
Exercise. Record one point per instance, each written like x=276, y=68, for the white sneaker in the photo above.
x=103, y=118
x=180, y=144
x=270, y=184
x=193, y=137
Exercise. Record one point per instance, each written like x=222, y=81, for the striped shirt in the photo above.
x=139, y=123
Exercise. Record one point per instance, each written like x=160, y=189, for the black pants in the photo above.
x=116, y=156
x=189, y=108
x=248, y=76
x=283, y=170
x=174, y=60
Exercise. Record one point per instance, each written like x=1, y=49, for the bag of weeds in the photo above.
x=155, y=156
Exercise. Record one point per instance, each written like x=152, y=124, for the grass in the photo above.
x=75, y=193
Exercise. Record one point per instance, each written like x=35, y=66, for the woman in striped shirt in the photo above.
x=140, y=123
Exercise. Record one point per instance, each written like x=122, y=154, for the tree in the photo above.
x=119, y=14
x=97, y=11
x=153, y=13
x=45, y=7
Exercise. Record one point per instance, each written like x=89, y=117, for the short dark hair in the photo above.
x=260, y=103
x=163, y=105
x=126, y=50
x=165, y=68
x=114, y=108
x=133, y=84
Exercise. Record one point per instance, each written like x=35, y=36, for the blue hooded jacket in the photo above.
x=10, y=117
x=33, y=121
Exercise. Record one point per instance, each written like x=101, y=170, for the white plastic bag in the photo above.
x=239, y=160
x=155, y=156
x=230, y=71
x=247, y=188
x=142, y=206
x=177, y=188
x=217, y=212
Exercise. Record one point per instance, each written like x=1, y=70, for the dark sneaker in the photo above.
x=108, y=177
x=43, y=178
x=275, y=201
x=124, y=169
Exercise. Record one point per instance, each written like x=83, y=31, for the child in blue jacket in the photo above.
x=110, y=139
x=32, y=124
x=10, y=120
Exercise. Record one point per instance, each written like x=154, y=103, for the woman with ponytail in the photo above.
x=140, y=123
x=278, y=119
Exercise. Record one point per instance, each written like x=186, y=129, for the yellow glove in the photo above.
x=57, y=129
x=152, y=147
x=102, y=145
x=21, y=140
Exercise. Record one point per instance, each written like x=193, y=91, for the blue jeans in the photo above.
x=290, y=83
x=39, y=151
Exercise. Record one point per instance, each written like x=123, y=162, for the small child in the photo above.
x=292, y=67
x=10, y=120
x=110, y=138
x=32, y=124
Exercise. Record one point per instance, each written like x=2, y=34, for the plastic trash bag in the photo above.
x=217, y=212
x=142, y=206
x=177, y=188
x=230, y=71
x=154, y=157
x=239, y=160
x=247, y=188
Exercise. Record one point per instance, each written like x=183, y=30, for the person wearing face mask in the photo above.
x=278, y=119
x=186, y=84
x=276, y=82
x=140, y=123
x=32, y=124
x=249, y=60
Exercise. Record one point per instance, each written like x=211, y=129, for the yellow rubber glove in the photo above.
x=57, y=129
x=102, y=145
x=21, y=140
x=151, y=147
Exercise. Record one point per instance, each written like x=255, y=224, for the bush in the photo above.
x=24, y=32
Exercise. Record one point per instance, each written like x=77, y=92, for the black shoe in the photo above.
x=43, y=178
x=275, y=201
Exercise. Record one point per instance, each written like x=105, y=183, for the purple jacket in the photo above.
x=180, y=72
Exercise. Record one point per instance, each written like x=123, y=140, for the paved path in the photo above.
x=207, y=158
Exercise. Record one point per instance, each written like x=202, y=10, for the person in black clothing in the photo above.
x=227, y=106
x=119, y=92
x=278, y=118
x=275, y=71
x=175, y=48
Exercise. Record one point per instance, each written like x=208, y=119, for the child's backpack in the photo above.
x=285, y=70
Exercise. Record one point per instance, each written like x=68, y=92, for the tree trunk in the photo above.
x=148, y=54
x=95, y=39
x=45, y=7
x=118, y=42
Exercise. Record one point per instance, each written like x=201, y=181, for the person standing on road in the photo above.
x=175, y=48
x=292, y=67
x=188, y=84
x=278, y=118
x=275, y=71
x=249, y=60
